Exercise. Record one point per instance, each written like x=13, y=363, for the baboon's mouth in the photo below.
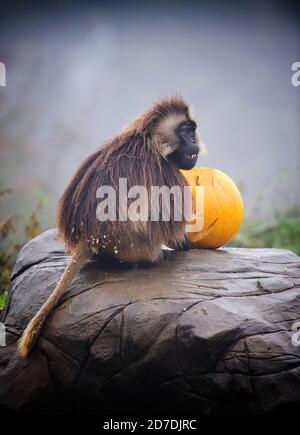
x=191, y=156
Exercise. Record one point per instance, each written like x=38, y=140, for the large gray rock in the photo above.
x=204, y=331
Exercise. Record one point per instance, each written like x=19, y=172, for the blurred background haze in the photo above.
x=75, y=75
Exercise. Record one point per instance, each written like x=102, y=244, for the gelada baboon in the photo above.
x=149, y=151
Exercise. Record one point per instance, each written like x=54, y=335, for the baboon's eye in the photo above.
x=186, y=131
x=187, y=126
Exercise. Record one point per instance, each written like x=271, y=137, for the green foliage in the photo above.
x=11, y=243
x=3, y=300
x=282, y=232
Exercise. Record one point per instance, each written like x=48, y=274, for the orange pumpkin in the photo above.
x=222, y=207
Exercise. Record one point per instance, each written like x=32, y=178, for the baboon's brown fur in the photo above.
x=137, y=154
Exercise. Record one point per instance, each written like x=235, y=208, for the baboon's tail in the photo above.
x=32, y=331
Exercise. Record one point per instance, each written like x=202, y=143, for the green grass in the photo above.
x=283, y=231
x=15, y=231
x=3, y=299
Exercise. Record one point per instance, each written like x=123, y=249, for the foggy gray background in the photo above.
x=75, y=77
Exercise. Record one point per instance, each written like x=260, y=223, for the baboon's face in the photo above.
x=178, y=140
